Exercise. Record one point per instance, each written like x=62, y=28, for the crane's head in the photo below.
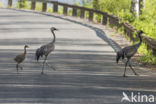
x=53, y=29
x=140, y=32
x=26, y=46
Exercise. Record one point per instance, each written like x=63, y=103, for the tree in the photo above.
x=141, y=5
x=87, y=3
x=135, y=7
x=22, y=4
x=96, y=4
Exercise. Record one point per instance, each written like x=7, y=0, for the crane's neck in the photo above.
x=25, y=51
x=140, y=41
x=54, y=37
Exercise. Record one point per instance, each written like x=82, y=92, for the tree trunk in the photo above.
x=135, y=7
x=141, y=5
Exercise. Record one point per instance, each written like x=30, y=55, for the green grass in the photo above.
x=146, y=55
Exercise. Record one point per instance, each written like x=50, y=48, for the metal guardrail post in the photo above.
x=74, y=13
x=44, y=8
x=104, y=19
x=91, y=14
x=55, y=7
x=33, y=5
x=65, y=10
x=82, y=15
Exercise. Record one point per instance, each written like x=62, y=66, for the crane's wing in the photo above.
x=50, y=47
x=44, y=50
x=40, y=52
x=19, y=58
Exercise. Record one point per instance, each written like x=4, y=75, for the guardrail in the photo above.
x=106, y=18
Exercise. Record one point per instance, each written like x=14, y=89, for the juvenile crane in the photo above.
x=45, y=50
x=20, y=58
x=129, y=52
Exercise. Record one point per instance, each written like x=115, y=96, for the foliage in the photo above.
x=70, y=12
x=121, y=8
x=126, y=16
x=96, y=4
x=114, y=6
x=87, y=3
x=60, y=10
x=1, y=4
x=39, y=6
x=147, y=21
x=49, y=9
x=23, y=4
x=147, y=55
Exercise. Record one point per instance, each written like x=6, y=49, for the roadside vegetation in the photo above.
x=1, y=4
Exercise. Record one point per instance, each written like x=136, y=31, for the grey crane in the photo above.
x=45, y=50
x=129, y=52
x=20, y=58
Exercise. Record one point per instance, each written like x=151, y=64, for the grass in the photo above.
x=146, y=55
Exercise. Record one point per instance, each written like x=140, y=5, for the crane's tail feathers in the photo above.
x=123, y=56
x=38, y=54
x=118, y=57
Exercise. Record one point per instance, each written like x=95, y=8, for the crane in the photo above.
x=20, y=58
x=45, y=50
x=129, y=52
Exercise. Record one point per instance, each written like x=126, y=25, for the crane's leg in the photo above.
x=17, y=67
x=124, y=75
x=21, y=67
x=43, y=64
x=50, y=66
x=132, y=69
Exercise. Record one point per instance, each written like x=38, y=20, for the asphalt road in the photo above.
x=86, y=72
